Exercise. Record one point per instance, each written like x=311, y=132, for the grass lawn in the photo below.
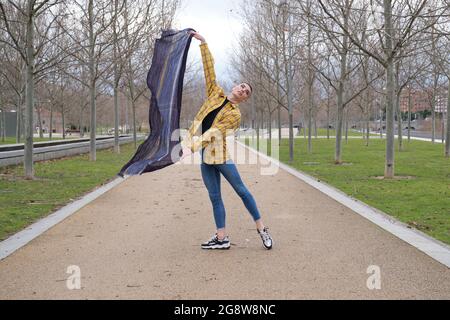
x=12, y=140
x=423, y=201
x=57, y=182
x=323, y=132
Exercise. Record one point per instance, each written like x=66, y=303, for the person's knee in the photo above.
x=215, y=197
x=243, y=192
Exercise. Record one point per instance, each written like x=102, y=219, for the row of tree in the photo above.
x=74, y=51
x=344, y=53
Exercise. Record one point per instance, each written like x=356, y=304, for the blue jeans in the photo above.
x=211, y=178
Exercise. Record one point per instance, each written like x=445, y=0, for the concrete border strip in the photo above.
x=20, y=239
x=437, y=250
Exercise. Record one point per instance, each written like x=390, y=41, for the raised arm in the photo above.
x=208, y=65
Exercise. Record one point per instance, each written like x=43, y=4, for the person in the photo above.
x=218, y=116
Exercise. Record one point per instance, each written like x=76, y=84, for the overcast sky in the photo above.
x=218, y=22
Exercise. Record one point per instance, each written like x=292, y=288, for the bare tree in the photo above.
x=341, y=62
x=90, y=41
x=410, y=13
x=28, y=11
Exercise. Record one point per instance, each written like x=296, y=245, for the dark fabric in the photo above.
x=165, y=81
x=209, y=119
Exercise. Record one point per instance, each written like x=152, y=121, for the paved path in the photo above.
x=141, y=240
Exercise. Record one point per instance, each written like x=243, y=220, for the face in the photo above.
x=241, y=92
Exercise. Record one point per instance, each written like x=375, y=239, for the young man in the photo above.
x=218, y=117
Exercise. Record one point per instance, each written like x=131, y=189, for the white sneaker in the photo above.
x=266, y=238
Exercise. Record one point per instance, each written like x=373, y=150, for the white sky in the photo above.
x=218, y=22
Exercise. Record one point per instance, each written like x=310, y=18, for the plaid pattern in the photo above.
x=226, y=122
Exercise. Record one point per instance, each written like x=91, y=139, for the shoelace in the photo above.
x=265, y=235
x=214, y=238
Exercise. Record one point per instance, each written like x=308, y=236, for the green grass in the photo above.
x=323, y=132
x=423, y=202
x=12, y=140
x=57, y=183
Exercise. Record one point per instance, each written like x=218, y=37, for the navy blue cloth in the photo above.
x=165, y=81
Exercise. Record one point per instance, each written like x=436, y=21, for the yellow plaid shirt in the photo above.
x=226, y=122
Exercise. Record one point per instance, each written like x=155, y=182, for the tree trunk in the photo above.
x=399, y=122
x=304, y=124
x=50, y=133
x=367, y=128
x=390, y=91
x=288, y=71
x=2, y=120
x=309, y=130
x=433, y=120
x=269, y=139
x=433, y=117
x=133, y=108
x=92, y=86
x=340, y=109
x=328, y=119
x=254, y=120
x=369, y=106
x=80, y=124
x=63, y=121
x=409, y=115
x=28, y=157
x=257, y=134
x=310, y=81
x=116, y=81
x=338, y=153
x=315, y=128
x=397, y=106
x=435, y=84
x=41, y=132
x=447, y=136
x=277, y=75
x=346, y=125
x=3, y=126
x=340, y=92
x=270, y=126
x=19, y=118
x=381, y=123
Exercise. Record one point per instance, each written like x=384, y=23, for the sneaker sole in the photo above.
x=216, y=247
x=268, y=248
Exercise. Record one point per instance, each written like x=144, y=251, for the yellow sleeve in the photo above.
x=208, y=68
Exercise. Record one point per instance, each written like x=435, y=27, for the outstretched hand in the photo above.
x=197, y=36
